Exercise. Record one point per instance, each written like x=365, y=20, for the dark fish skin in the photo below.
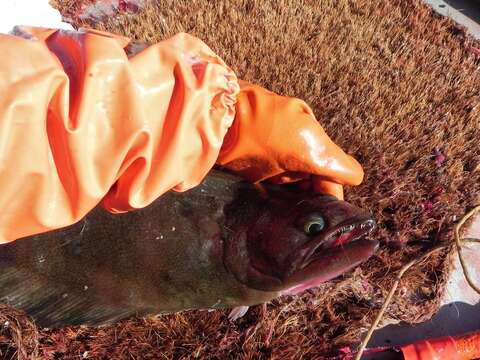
x=208, y=247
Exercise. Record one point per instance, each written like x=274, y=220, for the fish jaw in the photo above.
x=338, y=251
x=328, y=266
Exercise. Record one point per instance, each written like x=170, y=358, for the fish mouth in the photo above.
x=331, y=254
x=348, y=231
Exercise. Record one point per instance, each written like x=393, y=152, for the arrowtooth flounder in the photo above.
x=222, y=244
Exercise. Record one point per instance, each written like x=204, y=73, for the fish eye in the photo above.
x=314, y=225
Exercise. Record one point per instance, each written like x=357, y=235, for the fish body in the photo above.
x=222, y=244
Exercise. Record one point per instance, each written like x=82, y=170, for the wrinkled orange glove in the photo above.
x=278, y=138
x=81, y=123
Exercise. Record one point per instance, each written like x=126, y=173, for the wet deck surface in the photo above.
x=464, y=12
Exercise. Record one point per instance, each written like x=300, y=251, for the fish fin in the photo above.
x=53, y=305
x=237, y=313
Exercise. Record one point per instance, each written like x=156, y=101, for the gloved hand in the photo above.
x=81, y=123
x=278, y=138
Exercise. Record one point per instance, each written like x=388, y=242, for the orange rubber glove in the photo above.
x=81, y=123
x=278, y=138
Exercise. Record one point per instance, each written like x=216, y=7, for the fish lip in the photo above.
x=327, y=266
x=329, y=240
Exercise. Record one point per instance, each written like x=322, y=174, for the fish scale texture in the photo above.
x=393, y=84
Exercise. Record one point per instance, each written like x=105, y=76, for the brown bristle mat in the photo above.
x=393, y=84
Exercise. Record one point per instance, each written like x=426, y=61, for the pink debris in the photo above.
x=427, y=205
x=475, y=51
x=437, y=193
x=439, y=157
x=346, y=353
x=101, y=9
x=132, y=6
x=345, y=350
x=366, y=286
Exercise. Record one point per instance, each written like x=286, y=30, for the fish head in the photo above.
x=292, y=244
